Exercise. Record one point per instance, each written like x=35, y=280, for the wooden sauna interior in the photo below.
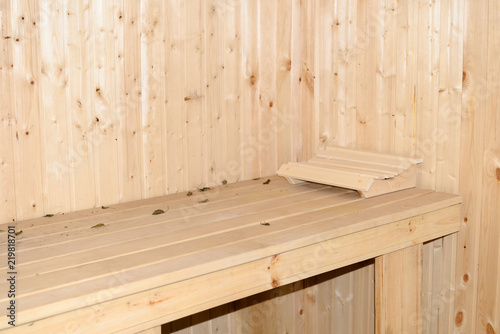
x=108, y=101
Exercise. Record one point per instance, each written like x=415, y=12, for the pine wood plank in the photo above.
x=105, y=121
x=398, y=291
x=426, y=120
x=152, y=67
x=488, y=301
x=230, y=190
x=350, y=72
x=368, y=156
x=378, y=32
x=308, y=77
x=385, y=171
x=215, y=76
x=315, y=174
x=340, y=63
x=305, y=231
x=382, y=241
x=361, y=89
x=296, y=105
x=186, y=207
x=405, y=180
x=79, y=102
x=126, y=243
x=249, y=152
x=471, y=163
x=26, y=106
x=388, y=77
x=232, y=170
x=334, y=169
x=403, y=57
x=284, y=61
x=342, y=294
x=53, y=114
x=132, y=149
x=176, y=107
x=7, y=125
x=364, y=299
x=325, y=73
x=112, y=256
x=268, y=114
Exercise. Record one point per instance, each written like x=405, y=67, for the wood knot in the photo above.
x=275, y=283
x=459, y=319
x=288, y=65
x=252, y=80
x=466, y=278
x=466, y=220
x=489, y=329
x=498, y=174
x=271, y=104
x=464, y=75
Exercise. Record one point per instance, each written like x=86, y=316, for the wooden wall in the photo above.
x=478, y=278
x=105, y=101
x=116, y=100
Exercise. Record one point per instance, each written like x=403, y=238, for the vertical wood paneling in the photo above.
x=232, y=169
x=339, y=65
x=267, y=89
x=196, y=130
x=250, y=87
x=341, y=293
x=174, y=99
x=388, y=77
x=471, y=162
x=104, y=123
x=488, y=293
x=7, y=193
x=109, y=101
x=153, y=95
x=307, y=78
x=325, y=73
x=133, y=173
x=214, y=57
x=53, y=108
x=296, y=114
x=26, y=22
x=78, y=101
x=283, y=102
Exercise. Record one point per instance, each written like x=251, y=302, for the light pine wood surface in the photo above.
x=410, y=77
x=128, y=267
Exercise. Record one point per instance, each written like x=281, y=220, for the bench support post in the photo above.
x=398, y=289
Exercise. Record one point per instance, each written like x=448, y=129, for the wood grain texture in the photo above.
x=111, y=101
x=488, y=287
x=399, y=287
x=424, y=83
x=307, y=226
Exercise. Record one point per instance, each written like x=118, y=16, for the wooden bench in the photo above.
x=123, y=269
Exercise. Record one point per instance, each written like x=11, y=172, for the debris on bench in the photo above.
x=369, y=173
x=158, y=212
